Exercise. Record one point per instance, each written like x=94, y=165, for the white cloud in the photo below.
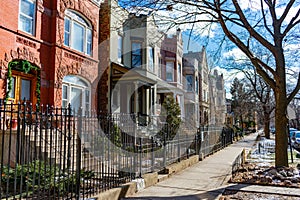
x=236, y=54
x=181, y=14
x=291, y=13
x=251, y=4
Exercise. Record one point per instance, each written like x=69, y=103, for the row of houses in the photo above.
x=98, y=56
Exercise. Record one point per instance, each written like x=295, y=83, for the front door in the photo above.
x=22, y=87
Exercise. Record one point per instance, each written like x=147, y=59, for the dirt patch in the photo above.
x=240, y=195
x=257, y=174
x=251, y=173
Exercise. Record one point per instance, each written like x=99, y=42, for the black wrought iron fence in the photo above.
x=238, y=162
x=212, y=139
x=56, y=153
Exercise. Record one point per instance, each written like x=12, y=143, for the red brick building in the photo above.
x=49, y=52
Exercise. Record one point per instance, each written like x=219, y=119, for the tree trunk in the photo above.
x=267, y=127
x=266, y=123
x=281, y=121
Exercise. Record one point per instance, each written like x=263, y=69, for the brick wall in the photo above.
x=104, y=57
x=45, y=49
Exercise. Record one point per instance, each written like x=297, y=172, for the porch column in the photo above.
x=154, y=99
x=123, y=98
x=149, y=101
x=136, y=106
x=136, y=97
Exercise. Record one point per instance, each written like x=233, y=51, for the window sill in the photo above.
x=78, y=53
x=28, y=35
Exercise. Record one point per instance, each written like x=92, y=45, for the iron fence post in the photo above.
x=140, y=154
x=69, y=137
x=196, y=144
x=152, y=154
x=78, y=153
x=178, y=147
x=18, y=135
x=165, y=151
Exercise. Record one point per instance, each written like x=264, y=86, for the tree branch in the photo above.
x=286, y=11
x=295, y=91
x=264, y=17
x=251, y=31
x=292, y=23
x=255, y=61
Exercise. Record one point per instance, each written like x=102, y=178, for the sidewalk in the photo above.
x=204, y=180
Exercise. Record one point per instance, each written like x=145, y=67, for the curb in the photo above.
x=146, y=181
x=272, y=190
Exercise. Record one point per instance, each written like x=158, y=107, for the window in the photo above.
x=179, y=73
x=120, y=49
x=189, y=83
x=170, y=71
x=76, y=91
x=27, y=16
x=197, y=85
x=136, y=54
x=204, y=95
x=151, y=59
x=97, y=1
x=78, y=33
x=160, y=67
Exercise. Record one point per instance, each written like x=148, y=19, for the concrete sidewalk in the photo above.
x=204, y=180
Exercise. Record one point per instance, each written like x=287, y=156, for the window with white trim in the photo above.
x=170, y=71
x=27, y=16
x=189, y=83
x=151, y=59
x=136, y=54
x=160, y=67
x=97, y=2
x=120, y=49
x=179, y=73
x=77, y=93
x=78, y=32
x=197, y=85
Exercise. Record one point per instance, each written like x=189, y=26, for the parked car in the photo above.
x=272, y=130
x=296, y=140
x=292, y=130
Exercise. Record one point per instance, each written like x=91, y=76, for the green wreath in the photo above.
x=26, y=67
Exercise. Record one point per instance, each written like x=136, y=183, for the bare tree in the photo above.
x=243, y=104
x=274, y=25
x=264, y=96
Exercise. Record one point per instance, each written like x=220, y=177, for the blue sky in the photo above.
x=206, y=34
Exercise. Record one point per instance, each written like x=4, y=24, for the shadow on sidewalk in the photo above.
x=199, y=195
